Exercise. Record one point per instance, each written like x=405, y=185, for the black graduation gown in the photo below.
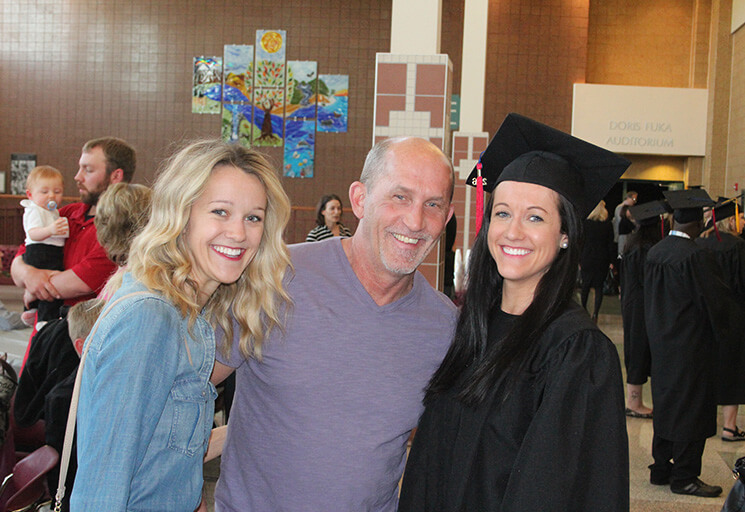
x=558, y=441
x=730, y=254
x=685, y=323
x=598, y=251
x=51, y=358
x=637, y=357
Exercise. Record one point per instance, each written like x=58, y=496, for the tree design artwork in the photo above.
x=270, y=74
x=269, y=101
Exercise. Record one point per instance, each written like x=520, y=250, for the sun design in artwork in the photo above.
x=271, y=42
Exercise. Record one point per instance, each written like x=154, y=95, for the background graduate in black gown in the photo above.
x=723, y=239
x=598, y=256
x=636, y=355
x=683, y=290
x=526, y=410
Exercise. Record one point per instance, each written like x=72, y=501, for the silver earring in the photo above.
x=564, y=245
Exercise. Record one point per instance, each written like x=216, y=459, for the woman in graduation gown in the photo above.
x=723, y=239
x=526, y=411
x=636, y=354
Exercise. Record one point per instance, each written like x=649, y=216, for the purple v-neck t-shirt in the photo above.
x=322, y=422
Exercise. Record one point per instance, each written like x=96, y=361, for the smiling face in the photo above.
x=332, y=212
x=407, y=207
x=225, y=227
x=524, y=233
x=45, y=190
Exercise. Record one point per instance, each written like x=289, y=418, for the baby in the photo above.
x=45, y=233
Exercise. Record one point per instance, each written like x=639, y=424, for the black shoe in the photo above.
x=698, y=488
x=737, y=435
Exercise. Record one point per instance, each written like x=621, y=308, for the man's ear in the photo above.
x=451, y=210
x=357, y=195
x=79, y=342
x=116, y=176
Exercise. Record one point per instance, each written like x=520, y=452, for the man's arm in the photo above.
x=47, y=284
x=34, y=280
x=70, y=285
x=220, y=372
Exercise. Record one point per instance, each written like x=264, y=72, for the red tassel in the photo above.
x=479, y=199
x=714, y=222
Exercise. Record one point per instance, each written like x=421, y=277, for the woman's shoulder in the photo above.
x=136, y=300
x=318, y=233
x=572, y=319
x=574, y=331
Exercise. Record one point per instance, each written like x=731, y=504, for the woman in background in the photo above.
x=723, y=239
x=213, y=244
x=598, y=255
x=636, y=354
x=328, y=220
x=122, y=211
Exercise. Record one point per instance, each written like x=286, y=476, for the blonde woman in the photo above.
x=122, y=212
x=213, y=242
x=598, y=254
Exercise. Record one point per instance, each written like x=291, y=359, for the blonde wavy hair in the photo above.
x=599, y=213
x=160, y=258
x=724, y=226
x=121, y=213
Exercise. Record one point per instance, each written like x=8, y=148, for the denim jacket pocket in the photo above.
x=190, y=426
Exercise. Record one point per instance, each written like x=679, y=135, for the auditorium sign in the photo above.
x=641, y=120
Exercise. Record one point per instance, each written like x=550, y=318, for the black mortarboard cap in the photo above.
x=725, y=208
x=648, y=213
x=531, y=152
x=689, y=204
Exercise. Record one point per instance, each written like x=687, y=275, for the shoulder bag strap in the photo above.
x=72, y=415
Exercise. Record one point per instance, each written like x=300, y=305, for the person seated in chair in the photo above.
x=46, y=384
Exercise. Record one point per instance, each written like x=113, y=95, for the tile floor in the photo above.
x=719, y=456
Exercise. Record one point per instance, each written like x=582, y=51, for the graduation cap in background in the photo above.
x=527, y=151
x=648, y=213
x=688, y=205
x=724, y=209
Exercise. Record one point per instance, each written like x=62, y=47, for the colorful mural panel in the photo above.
x=206, y=85
x=269, y=88
x=302, y=87
x=236, y=123
x=333, y=104
x=268, y=117
x=300, y=144
x=270, y=47
x=300, y=113
x=239, y=65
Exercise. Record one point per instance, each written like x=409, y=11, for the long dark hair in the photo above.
x=501, y=363
x=320, y=219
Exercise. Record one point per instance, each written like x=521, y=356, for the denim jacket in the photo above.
x=146, y=407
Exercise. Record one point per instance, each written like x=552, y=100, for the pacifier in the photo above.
x=51, y=206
